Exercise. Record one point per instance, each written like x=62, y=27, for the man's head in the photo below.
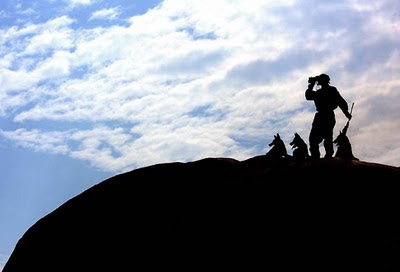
x=323, y=79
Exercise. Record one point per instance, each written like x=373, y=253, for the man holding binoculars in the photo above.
x=327, y=98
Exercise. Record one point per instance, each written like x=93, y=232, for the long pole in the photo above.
x=348, y=121
x=352, y=106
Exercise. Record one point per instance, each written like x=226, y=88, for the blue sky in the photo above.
x=92, y=88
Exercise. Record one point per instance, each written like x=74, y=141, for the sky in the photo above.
x=93, y=88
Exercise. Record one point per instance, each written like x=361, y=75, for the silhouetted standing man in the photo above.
x=326, y=99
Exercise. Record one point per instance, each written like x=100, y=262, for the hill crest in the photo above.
x=225, y=212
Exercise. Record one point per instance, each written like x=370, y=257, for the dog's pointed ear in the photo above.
x=278, y=136
x=295, y=134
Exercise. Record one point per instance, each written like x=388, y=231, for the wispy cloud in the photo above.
x=53, y=142
x=21, y=10
x=77, y=3
x=3, y=14
x=194, y=79
x=106, y=14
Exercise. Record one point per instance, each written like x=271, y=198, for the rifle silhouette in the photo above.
x=344, y=131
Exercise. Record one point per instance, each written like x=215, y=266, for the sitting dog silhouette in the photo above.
x=300, y=149
x=278, y=149
x=344, y=149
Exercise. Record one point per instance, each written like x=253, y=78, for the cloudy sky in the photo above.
x=92, y=88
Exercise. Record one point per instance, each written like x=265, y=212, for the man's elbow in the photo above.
x=309, y=94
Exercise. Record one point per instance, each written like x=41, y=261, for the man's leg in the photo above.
x=315, y=139
x=314, y=148
x=328, y=137
x=328, y=144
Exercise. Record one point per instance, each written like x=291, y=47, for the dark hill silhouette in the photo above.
x=320, y=214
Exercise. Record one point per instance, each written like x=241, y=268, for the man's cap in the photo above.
x=324, y=78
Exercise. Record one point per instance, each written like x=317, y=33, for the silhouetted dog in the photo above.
x=278, y=149
x=300, y=150
x=344, y=149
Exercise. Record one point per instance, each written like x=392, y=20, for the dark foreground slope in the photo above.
x=222, y=213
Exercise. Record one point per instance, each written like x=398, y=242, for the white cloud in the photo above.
x=194, y=79
x=37, y=53
x=55, y=67
x=53, y=142
x=76, y=3
x=52, y=35
x=46, y=41
x=377, y=142
x=106, y=14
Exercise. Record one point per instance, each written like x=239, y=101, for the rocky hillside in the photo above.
x=220, y=213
